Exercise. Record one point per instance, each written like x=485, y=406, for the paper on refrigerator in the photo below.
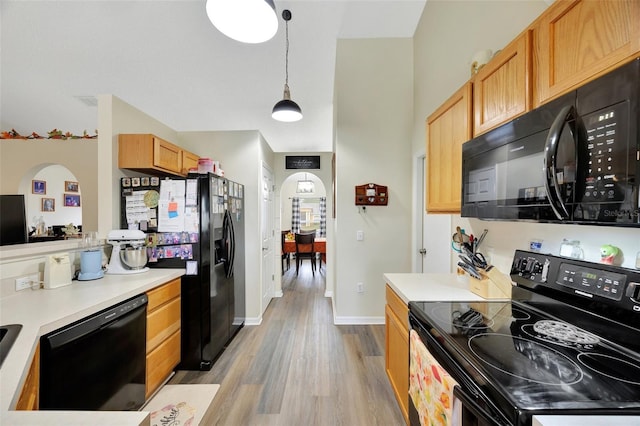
x=171, y=206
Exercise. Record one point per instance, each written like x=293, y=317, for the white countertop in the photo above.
x=431, y=287
x=42, y=311
x=450, y=287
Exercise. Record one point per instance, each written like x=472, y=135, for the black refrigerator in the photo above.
x=196, y=223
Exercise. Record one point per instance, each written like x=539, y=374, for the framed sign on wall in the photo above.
x=302, y=162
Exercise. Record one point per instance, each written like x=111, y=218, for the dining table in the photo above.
x=319, y=244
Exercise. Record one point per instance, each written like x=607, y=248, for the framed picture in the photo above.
x=71, y=200
x=48, y=205
x=70, y=186
x=38, y=187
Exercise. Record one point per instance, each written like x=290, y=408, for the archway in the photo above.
x=52, y=194
x=307, y=192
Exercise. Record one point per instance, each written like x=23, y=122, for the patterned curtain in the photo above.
x=295, y=215
x=323, y=217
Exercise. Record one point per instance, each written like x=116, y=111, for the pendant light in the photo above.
x=248, y=21
x=286, y=109
x=305, y=186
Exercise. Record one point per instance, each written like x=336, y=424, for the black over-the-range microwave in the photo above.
x=575, y=159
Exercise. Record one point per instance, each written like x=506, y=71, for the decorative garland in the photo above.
x=54, y=134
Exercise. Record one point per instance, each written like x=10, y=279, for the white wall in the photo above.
x=374, y=99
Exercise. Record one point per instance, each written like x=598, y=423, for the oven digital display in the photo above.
x=591, y=281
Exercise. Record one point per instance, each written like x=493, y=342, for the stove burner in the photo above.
x=612, y=367
x=519, y=314
x=525, y=359
x=560, y=332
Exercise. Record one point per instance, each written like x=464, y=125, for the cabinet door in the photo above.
x=167, y=155
x=161, y=361
x=447, y=129
x=502, y=88
x=397, y=359
x=162, y=322
x=28, y=399
x=578, y=40
x=189, y=161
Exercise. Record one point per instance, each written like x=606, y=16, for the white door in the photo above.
x=267, y=230
x=434, y=253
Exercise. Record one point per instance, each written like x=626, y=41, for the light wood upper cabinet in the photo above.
x=575, y=41
x=397, y=349
x=447, y=129
x=148, y=153
x=502, y=88
x=189, y=161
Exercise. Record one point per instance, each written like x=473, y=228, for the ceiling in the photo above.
x=166, y=59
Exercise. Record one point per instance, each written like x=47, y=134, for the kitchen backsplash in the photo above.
x=504, y=238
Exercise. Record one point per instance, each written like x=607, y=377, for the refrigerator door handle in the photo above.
x=232, y=244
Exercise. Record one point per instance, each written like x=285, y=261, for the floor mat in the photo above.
x=183, y=405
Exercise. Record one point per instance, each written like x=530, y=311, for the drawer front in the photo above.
x=398, y=307
x=162, y=294
x=161, y=362
x=162, y=322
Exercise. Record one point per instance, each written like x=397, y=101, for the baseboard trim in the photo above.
x=253, y=321
x=358, y=320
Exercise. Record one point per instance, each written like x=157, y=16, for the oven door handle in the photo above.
x=469, y=403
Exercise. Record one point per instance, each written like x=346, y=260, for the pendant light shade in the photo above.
x=247, y=21
x=286, y=110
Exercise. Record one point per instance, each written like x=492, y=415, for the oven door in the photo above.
x=440, y=392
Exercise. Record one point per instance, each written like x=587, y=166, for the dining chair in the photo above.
x=305, y=250
x=285, y=255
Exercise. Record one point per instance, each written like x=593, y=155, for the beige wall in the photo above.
x=374, y=87
x=20, y=160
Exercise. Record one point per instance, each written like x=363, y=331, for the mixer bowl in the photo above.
x=134, y=257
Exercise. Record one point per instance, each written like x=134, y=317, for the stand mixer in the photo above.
x=129, y=255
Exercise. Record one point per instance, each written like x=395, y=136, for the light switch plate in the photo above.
x=359, y=235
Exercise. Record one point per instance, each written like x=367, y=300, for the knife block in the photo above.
x=493, y=285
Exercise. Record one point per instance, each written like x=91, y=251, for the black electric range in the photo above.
x=567, y=343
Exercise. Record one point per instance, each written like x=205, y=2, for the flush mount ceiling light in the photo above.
x=286, y=110
x=248, y=21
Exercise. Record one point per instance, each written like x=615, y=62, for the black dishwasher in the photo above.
x=98, y=362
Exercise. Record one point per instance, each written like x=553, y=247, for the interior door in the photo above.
x=267, y=231
x=436, y=235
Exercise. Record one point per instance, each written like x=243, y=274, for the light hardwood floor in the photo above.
x=297, y=368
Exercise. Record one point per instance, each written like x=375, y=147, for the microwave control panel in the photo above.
x=606, y=154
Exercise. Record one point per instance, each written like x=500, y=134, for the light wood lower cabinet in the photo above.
x=29, y=396
x=397, y=349
x=163, y=334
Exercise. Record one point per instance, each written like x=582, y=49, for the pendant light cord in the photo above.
x=286, y=54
